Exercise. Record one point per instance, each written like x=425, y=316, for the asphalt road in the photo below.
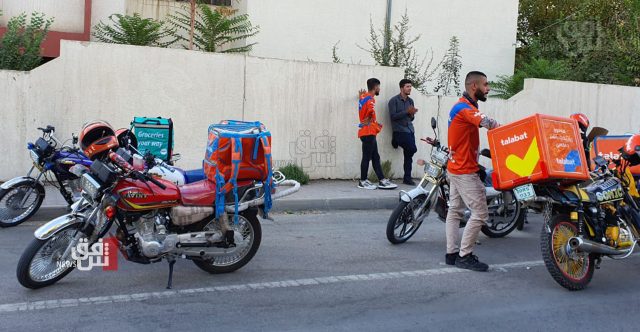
x=328, y=272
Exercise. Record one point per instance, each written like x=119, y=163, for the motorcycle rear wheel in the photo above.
x=400, y=220
x=249, y=226
x=10, y=199
x=571, y=270
x=501, y=226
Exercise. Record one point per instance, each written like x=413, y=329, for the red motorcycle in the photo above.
x=155, y=220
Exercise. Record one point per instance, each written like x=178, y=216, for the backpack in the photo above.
x=238, y=150
x=154, y=135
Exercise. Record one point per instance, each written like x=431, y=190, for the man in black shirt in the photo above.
x=402, y=111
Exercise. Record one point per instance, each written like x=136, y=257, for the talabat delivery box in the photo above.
x=540, y=148
x=608, y=148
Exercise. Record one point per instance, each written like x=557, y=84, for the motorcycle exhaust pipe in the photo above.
x=582, y=245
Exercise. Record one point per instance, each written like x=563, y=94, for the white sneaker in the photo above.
x=386, y=184
x=366, y=184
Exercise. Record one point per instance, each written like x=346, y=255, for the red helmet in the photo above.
x=631, y=150
x=97, y=139
x=582, y=119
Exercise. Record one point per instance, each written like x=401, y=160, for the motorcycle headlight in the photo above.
x=438, y=157
x=34, y=156
x=90, y=186
x=432, y=170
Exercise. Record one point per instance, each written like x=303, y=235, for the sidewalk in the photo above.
x=319, y=195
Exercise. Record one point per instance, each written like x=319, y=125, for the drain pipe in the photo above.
x=388, y=24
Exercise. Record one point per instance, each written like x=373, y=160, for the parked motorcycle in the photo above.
x=20, y=198
x=155, y=220
x=432, y=193
x=589, y=220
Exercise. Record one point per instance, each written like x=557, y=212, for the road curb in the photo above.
x=48, y=212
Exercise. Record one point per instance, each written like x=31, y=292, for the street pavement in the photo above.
x=328, y=271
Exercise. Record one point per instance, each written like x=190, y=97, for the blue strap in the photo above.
x=219, y=194
x=363, y=102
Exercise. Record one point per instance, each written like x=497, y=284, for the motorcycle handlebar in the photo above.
x=156, y=182
x=121, y=162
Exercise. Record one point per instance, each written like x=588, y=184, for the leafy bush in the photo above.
x=508, y=86
x=134, y=30
x=386, y=170
x=20, y=46
x=295, y=172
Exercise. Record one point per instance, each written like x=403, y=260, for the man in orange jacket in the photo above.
x=369, y=129
x=465, y=186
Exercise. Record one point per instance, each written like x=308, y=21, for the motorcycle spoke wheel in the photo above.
x=10, y=211
x=401, y=226
x=244, y=228
x=573, y=265
x=47, y=264
x=504, y=215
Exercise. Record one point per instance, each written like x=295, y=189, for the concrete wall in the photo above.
x=310, y=108
x=307, y=29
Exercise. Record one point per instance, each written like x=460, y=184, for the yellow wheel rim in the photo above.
x=573, y=265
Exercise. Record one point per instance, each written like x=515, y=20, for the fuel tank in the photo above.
x=136, y=196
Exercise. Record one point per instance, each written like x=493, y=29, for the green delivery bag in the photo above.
x=154, y=135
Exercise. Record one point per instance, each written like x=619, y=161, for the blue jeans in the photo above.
x=408, y=143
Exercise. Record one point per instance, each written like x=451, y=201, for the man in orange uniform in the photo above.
x=369, y=129
x=465, y=186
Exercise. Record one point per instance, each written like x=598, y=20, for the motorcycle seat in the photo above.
x=203, y=193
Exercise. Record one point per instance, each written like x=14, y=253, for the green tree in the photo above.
x=20, y=46
x=507, y=86
x=216, y=28
x=449, y=77
x=134, y=30
x=399, y=52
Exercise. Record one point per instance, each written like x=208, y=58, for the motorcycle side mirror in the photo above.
x=75, y=139
x=434, y=123
x=486, y=153
x=175, y=157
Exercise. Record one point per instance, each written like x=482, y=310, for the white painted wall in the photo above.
x=310, y=108
x=307, y=29
x=68, y=14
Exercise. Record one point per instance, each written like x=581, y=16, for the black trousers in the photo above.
x=408, y=143
x=370, y=154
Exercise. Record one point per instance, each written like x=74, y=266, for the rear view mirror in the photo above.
x=600, y=162
x=175, y=157
x=434, y=124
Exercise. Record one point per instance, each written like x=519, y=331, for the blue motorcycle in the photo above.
x=20, y=198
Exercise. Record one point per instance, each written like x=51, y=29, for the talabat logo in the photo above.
x=523, y=166
x=515, y=138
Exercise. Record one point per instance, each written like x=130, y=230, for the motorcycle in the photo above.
x=588, y=220
x=155, y=220
x=20, y=198
x=432, y=193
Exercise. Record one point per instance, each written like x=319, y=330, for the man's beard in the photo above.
x=480, y=95
x=377, y=93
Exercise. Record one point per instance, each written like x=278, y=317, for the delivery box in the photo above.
x=537, y=149
x=608, y=148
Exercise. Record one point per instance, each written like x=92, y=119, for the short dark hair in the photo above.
x=473, y=77
x=372, y=82
x=404, y=82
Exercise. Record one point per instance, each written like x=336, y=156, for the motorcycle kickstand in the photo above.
x=172, y=261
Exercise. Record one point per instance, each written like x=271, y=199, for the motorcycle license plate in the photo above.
x=524, y=192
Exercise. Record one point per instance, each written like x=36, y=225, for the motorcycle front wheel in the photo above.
x=505, y=214
x=41, y=263
x=11, y=211
x=400, y=226
x=249, y=227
